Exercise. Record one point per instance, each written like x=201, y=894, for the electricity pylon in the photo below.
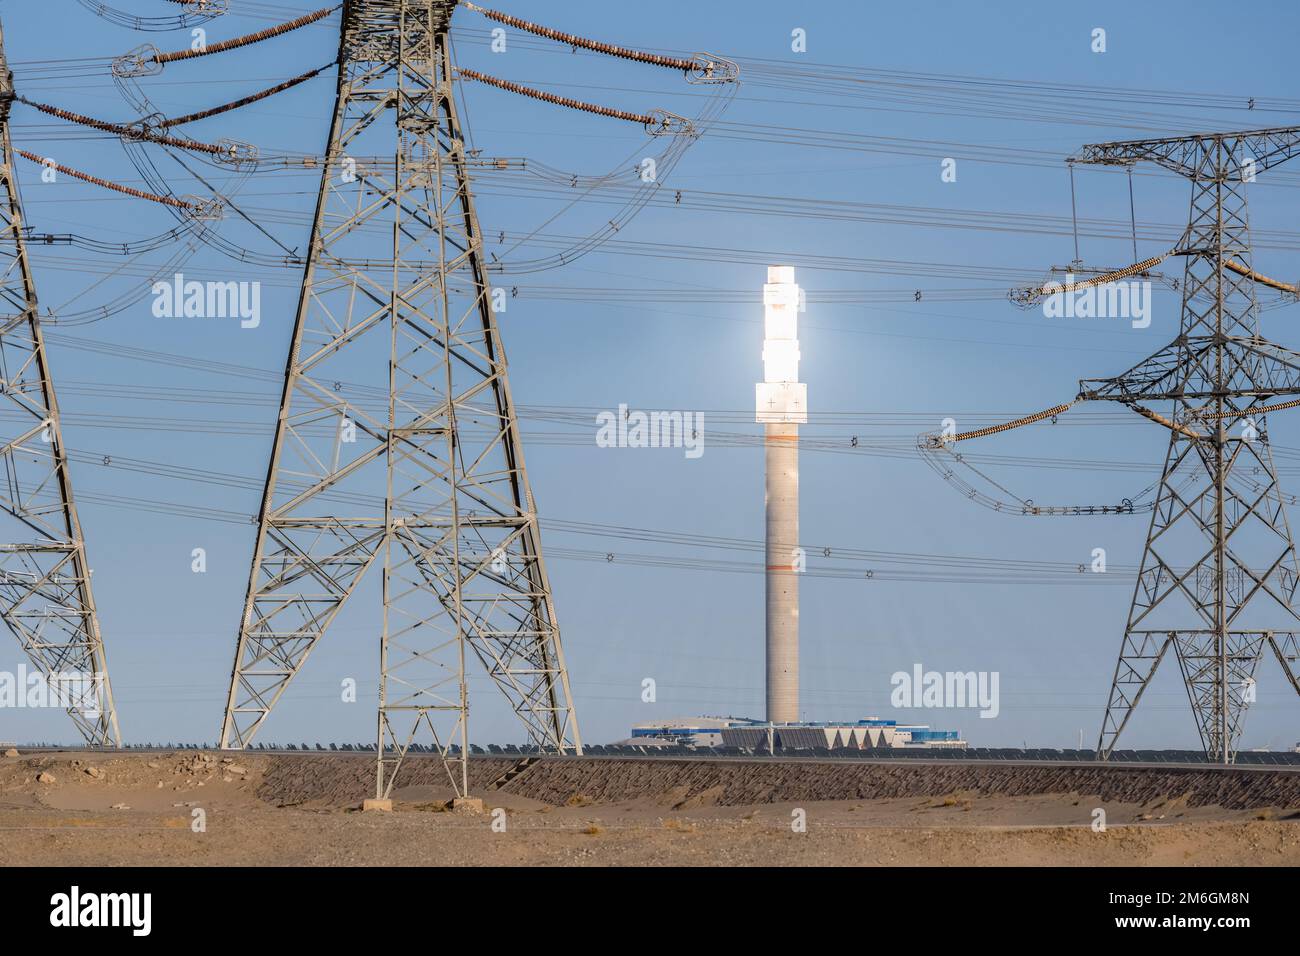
x=397, y=439
x=1219, y=499
x=45, y=593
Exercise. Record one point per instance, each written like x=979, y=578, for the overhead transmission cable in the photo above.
x=720, y=73
x=932, y=446
x=201, y=11
x=133, y=134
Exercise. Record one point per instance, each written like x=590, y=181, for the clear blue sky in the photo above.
x=881, y=371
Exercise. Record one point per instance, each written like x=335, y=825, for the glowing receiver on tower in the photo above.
x=781, y=397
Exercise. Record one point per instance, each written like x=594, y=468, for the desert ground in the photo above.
x=191, y=808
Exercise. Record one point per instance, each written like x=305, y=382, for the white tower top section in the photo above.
x=781, y=397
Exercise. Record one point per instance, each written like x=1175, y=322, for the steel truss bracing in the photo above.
x=397, y=442
x=1219, y=568
x=45, y=593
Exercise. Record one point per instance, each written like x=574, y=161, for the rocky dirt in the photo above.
x=191, y=808
x=338, y=780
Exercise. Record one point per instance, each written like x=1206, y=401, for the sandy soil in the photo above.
x=81, y=810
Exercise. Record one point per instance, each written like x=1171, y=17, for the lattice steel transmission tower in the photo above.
x=1219, y=500
x=427, y=476
x=45, y=593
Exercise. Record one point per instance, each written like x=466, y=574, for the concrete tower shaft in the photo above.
x=782, y=453
x=781, y=406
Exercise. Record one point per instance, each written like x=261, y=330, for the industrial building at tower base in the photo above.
x=869, y=733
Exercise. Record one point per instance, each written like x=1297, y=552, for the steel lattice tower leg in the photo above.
x=45, y=593
x=397, y=440
x=1219, y=502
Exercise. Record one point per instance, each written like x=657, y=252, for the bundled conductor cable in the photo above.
x=932, y=447
x=198, y=13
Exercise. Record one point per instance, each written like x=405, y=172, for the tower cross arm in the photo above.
x=1154, y=377
x=1252, y=368
x=1201, y=155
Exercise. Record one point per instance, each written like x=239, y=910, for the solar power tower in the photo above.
x=1219, y=500
x=45, y=593
x=397, y=442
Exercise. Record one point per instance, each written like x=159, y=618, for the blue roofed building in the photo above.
x=869, y=733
